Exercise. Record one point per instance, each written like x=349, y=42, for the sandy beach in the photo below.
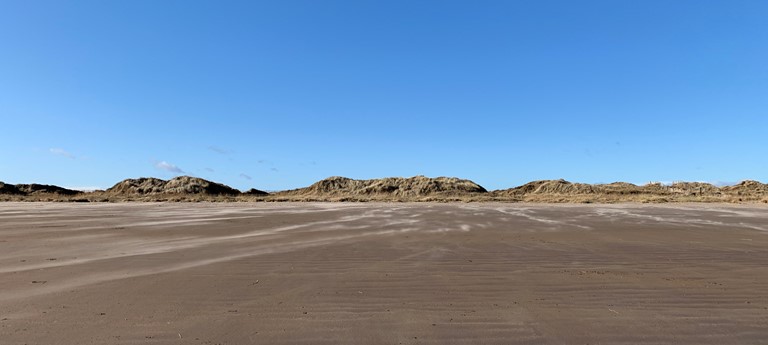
x=383, y=273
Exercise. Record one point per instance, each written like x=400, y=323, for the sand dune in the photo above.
x=417, y=188
x=391, y=187
x=176, y=185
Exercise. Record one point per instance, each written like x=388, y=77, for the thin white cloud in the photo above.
x=85, y=189
x=663, y=183
x=62, y=152
x=219, y=150
x=163, y=165
x=723, y=183
x=246, y=177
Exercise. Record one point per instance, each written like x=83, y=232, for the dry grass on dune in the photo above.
x=395, y=189
x=181, y=185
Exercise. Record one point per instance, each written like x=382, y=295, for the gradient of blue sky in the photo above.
x=280, y=94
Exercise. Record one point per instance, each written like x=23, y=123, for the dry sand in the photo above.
x=383, y=274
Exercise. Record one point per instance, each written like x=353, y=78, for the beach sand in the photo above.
x=383, y=273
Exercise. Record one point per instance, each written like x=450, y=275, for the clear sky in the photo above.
x=279, y=94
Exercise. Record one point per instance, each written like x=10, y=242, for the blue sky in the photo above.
x=279, y=94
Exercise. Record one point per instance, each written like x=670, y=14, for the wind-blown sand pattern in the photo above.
x=376, y=273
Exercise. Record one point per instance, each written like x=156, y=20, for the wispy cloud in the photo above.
x=163, y=165
x=246, y=176
x=62, y=152
x=724, y=183
x=209, y=170
x=274, y=169
x=85, y=189
x=219, y=150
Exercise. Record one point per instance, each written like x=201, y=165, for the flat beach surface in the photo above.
x=378, y=273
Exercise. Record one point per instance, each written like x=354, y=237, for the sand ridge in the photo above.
x=397, y=189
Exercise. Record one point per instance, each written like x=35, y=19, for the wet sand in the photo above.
x=291, y=273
